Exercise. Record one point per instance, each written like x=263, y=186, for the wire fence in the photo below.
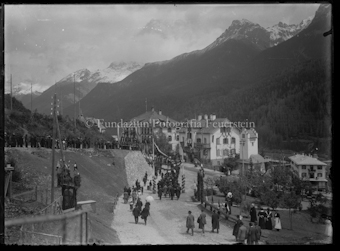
x=70, y=228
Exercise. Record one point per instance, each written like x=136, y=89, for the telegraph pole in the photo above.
x=11, y=93
x=31, y=100
x=53, y=143
x=74, y=99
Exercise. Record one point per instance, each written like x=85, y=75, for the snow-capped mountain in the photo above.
x=282, y=32
x=260, y=37
x=85, y=81
x=77, y=76
x=165, y=29
x=115, y=72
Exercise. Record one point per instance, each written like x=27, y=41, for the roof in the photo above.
x=255, y=158
x=251, y=132
x=299, y=159
x=152, y=115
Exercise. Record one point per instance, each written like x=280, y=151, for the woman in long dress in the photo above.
x=277, y=221
x=269, y=224
x=262, y=222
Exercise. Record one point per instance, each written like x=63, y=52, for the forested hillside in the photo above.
x=295, y=104
x=21, y=121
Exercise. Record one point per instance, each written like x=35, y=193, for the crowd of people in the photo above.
x=36, y=141
x=252, y=234
x=168, y=184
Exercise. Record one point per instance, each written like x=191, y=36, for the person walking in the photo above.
x=258, y=233
x=160, y=193
x=136, y=213
x=145, y=213
x=190, y=224
x=277, y=221
x=251, y=237
x=139, y=204
x=242, y=233
x=202, y=221
x=253, y=216
x=269, y=224
x=215, y=221
x=237, y=226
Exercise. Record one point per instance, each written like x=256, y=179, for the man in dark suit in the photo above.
x=253, y=216
x=215, y=222
x=258, y=233
x=251, y=238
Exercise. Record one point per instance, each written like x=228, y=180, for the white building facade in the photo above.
x=214, y=139
x=310, y=169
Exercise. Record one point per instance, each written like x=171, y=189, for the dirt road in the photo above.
x=166, y=225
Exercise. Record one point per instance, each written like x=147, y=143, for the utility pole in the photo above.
x=53, y=143
x=11, y=93
x=31, y=100
x=74, y=99
x=153, y=153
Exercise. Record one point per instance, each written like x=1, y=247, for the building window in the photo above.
x=304, y=167
x=319, y=167
x=233, y=140
x=218, y=152
x=177, y=137
x=205, y=140
x=225, y=141
x=319, y=174
x=169, y=129
x=243, y=136
x=252, y=143
x=232, y=151
x=217, y=141
x=212, y=138
x=169, y=138
x=182, y=141
x=198, y=140
x=303, y=175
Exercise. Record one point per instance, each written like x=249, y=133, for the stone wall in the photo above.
x=136, y=166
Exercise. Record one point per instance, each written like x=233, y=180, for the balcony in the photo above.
x=202, y=145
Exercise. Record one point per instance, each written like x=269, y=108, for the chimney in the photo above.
x=160, y=112
x=315, y=156
x=205, y=116
x=199, y=118
x=212, y=117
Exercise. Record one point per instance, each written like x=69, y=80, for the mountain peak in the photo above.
x=241, y=22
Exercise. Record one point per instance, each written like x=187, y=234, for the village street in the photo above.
x=167, y=222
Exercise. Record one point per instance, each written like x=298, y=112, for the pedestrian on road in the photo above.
x=237, y=226
x=134, y=196
x=253, y=216
x=190, y=223
x=202, y=221
x=145, y=213
x=277, y=221
x=136, y=213
x=242, y=234
x=251, y=238
x=139, y=204
x=160, y=193
x=258, y=233
x=215, y=221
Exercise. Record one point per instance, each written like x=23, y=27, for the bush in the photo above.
x=16, y=176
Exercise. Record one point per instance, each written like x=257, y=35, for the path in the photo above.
x=166, y=225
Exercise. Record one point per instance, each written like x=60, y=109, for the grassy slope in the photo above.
x=101, y=181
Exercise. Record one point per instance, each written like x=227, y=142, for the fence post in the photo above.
x=81, y=229
x=64, y=231
x=86, y=228
x=36, y=193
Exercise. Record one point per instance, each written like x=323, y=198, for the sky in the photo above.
x=44, y=43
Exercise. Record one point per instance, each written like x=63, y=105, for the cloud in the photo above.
x=48, y=42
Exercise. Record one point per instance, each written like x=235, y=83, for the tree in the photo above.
x=290, y=201
x=162, y=143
